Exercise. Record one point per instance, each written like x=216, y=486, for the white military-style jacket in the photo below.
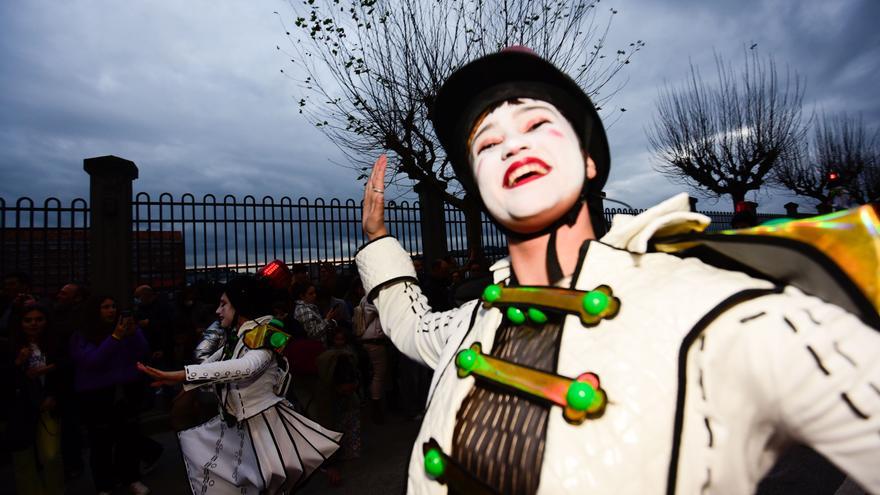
x=251, y=377
x=708, y=373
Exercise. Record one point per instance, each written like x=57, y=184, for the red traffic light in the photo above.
x=833, y=176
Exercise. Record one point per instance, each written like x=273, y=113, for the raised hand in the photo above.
x=162, y=377
x=373, y=215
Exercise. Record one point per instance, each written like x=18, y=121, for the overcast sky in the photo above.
x=192, y=93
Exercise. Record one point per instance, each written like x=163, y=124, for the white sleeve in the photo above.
x=815, y=369
x=251, y=364
x=390, y=282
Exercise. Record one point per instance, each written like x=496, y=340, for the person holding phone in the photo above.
x=105, y=351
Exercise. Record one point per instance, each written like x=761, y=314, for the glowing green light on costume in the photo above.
x=595, y=302
x=580, y=398
x=516, y=315
x=491, y=293
x=278, y=339
x=435, y=466
x=537, y=316
x=580, y=395
x=592, y=307
x=466, y=359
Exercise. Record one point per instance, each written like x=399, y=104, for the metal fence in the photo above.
x=47, y=242
x=210, y=239
x=180, y=241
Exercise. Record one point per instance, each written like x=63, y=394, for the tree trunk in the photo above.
x=738, y=197
x=432, y=222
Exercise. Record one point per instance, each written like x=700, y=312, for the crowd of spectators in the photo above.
x=74, y=392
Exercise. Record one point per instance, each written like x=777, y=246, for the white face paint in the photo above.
x=225, y=312
x=528, y=164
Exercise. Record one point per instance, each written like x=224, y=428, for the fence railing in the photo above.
x=48, y=242
x=179, y=241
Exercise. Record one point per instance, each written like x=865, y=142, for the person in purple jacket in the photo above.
x=110, y=389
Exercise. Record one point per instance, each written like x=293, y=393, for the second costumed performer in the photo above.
x=602, y=365
x=258, y=444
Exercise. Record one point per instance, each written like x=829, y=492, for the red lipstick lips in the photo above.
x=523, y=171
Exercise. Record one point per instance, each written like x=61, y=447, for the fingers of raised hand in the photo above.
x=376, y=183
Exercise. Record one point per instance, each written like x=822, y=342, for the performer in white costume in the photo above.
x=607, y=366
x=258, y=444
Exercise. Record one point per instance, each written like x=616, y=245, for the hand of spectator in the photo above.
x=332, y=313
x=124, y=328
x=160, y=377
x=39, y=370
x=373, y=215
x=145, y=323
x=23, y=355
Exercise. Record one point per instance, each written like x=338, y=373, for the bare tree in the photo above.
x=369, y=69
x=726, y=138
x=842, y=153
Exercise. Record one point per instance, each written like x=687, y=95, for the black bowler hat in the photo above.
x=515, y=72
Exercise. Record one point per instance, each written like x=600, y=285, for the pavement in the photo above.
x=381, y=468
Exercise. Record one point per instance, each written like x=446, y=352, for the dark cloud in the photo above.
x=191, y=91
x=833, y=46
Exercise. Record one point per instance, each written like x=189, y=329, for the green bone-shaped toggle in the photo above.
x=443, y=469
x=592, y=306
x=580, y=398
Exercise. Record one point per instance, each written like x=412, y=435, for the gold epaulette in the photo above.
x=267, y=336
x=835, y=257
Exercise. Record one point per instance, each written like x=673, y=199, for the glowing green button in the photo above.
x=516, y=315
x=434, y=464
x=491, y=293
x=580, y=396
x=537, y=316
x=278, y=340
x=466, y=359
x=595, y=302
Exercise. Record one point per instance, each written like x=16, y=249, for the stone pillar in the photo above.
x=693, y=202
x=432, y=221
x=791, y=209
x=110, y=248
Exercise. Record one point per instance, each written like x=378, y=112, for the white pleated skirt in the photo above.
x=272, y=452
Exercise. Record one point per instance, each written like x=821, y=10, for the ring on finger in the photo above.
x=377, y=190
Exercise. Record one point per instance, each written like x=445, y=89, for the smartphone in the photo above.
x=125, y=313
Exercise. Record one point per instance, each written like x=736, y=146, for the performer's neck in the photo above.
x=528, y=257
